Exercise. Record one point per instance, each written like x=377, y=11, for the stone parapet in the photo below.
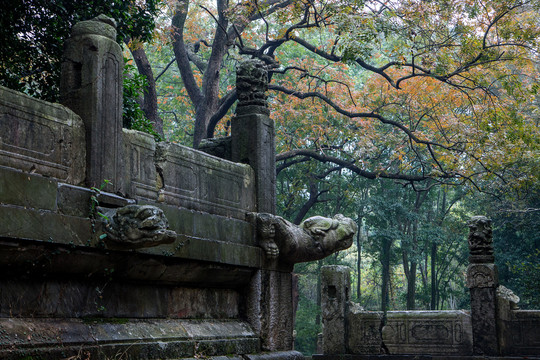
x=41, y=137
x=198, y=181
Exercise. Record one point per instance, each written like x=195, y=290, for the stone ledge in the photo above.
x=278, y=355
x=145, y=339
x=416, y=357
x=42, y=259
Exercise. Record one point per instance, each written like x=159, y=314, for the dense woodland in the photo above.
x=408, y=116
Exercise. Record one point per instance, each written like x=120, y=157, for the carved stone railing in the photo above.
x=112, y=243
x=494, y=326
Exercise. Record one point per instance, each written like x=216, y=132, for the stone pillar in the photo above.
x=252, y=132
x=335, y=293
x=91, y=85
x=482, y=281
x=270, y=308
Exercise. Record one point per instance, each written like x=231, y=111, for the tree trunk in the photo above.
x=385, y=262
x=411, y=287
x=359, y=260
x=433, y=276
x=149, y=105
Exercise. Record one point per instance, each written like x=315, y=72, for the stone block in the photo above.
x=139, y=166
x=197, y=181
x=74, y=200
x=335, y=292
x=27, y=190
x=41, y=137
x=20, y=223
x=219, y=147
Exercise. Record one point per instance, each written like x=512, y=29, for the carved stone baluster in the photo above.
x=482, y=281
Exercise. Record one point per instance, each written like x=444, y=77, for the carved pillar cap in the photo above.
x=480, y=240
x=251, y=86
x=482, y=276
x=100, y=25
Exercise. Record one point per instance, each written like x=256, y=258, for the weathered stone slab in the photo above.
x=364, y=332
x=100, y=338
x=521, y=333
x=103, y=297
x=39, y=258
x=209, y=250
x=276, y=355
x=27, y=190
x=195, y=180
x=41, y=137
x=140, y=169
x=208, y=226
x=20, y=223
x=335, y=292
x=428, y=332
x=414, y=357
x=271, y=309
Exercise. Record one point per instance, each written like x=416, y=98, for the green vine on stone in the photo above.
x=94, y=204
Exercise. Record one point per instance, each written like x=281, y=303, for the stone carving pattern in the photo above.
x=137, y=226
x=480, y=240
x=251, y=83
x=481, y=276
x=314, y=239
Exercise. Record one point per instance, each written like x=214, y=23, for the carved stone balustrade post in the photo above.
x=482, y=281
x=252, y=132
x=91, y=86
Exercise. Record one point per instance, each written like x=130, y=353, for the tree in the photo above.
x=32, y=33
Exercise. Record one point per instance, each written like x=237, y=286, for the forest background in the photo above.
x=406, y=115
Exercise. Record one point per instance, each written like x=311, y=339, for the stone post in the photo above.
x=335, y=290
x=91, y=86
x=270, y=308
x=482, y=281
x=252, y=132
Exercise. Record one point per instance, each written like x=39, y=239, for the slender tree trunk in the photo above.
x=359, y=259
x=385, y=262
x=411, y=287
x=434, y=282
x=149, y=105
x=433, y=276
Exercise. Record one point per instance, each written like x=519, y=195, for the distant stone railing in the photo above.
x=493, y=327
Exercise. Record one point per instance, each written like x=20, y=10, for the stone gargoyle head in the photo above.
x=334, y=234
x=314, y=239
